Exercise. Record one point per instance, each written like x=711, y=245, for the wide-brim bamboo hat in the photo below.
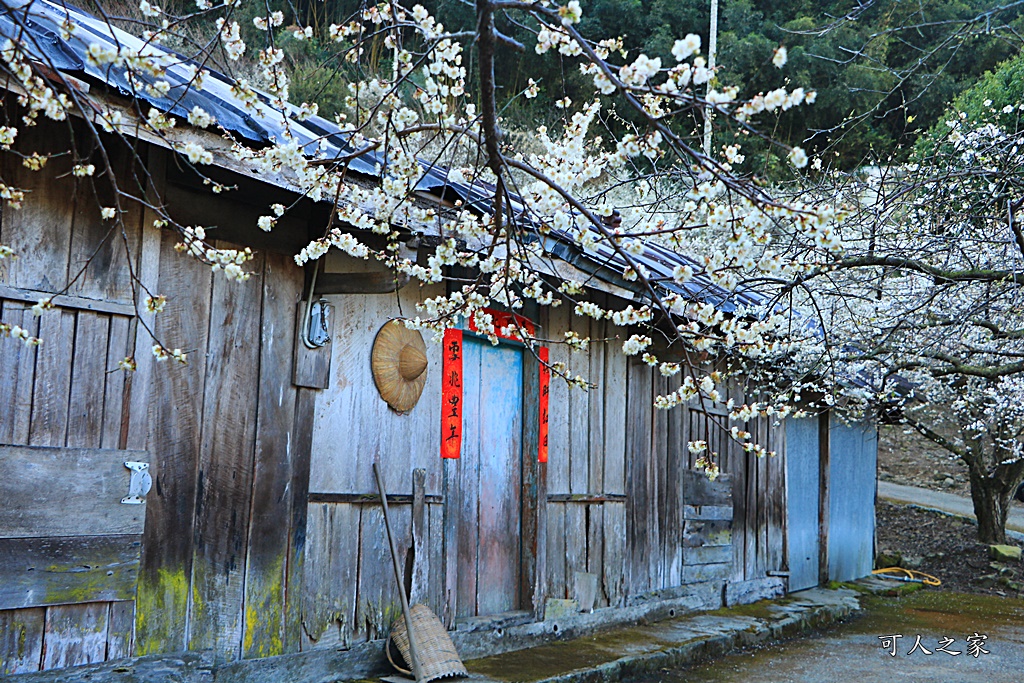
x=399, y=363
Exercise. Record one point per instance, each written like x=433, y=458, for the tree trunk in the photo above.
x=991, y=505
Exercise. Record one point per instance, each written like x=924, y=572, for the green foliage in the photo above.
x=883, y=77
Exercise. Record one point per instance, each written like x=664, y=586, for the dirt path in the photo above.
x=950, y=503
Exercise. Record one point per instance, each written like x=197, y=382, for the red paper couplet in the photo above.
x=504, y=319
x=451, y=395
x=545, y=386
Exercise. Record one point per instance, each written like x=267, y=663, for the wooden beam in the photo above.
x=79, y=303
x=586, y=497
x=370, y=498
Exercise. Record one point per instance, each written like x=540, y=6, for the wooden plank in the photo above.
x=531, y=541
x=540, y=587
x=675, y=471
x=614, y=552
x=226, y=465
x=693, y=573
x=100, y=246
x=301, y=455
x=667, y=514
x=699, y=491
x=120, y=629
x=17, y=371
x=67, y=301
x=312, y=367
x=89, y=374
x=56, y=570
x=707, y=555
x=575, y=543
x=66, y=492
x=452, y=494
x=596, y=396
x=370, y=499
x=114, y=405
x=579, y=417
x=75, y=634
x=558, y=408
x=420, y=538
x=139, y=384
x=21, y=640
x=586, y=498
x=378, y=604
x=330, y=576
x=175, y=426
x=469, y=515
x=615, y=416
x=638, y=479
x=697, y=533
x=435, y=598
x=594, y=523
x=707, y=512
x=777, y=498
x=558, y=586
x=267, y=548
x=53, y=380
x=40, y=232
x=760, y=565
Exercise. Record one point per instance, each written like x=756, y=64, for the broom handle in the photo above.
x=417, y=674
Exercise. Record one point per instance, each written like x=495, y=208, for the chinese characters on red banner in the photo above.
x=545, y=387
x=451, y=395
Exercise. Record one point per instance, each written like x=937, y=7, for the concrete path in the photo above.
x=855, y=652
x=625, y=653
x=950, y=503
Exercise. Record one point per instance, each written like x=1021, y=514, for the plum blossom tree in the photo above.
x=623, y=170
x=923, y=315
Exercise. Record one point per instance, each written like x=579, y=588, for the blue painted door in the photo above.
x=490, y=479
x=803, y=460
x=853, y=454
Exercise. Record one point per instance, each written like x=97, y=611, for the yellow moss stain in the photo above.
x=160, y=611
x=264, y=613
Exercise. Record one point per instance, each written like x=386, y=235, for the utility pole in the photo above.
x=712, y=49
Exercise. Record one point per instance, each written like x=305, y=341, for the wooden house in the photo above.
x=261, y=534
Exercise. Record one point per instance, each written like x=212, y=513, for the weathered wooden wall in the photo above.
x=586, y=471
x=349, y=591
x=67, y=395
x=227, y=434
x=616, y=498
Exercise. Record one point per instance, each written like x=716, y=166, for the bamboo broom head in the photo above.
x=399, y=363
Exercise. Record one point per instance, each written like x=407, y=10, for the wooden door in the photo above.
x=490, y=519
x=802, y=501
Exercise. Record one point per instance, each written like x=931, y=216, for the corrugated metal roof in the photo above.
x=37, y=24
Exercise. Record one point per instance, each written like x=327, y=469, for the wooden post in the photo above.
x=421, y=562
